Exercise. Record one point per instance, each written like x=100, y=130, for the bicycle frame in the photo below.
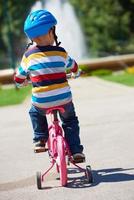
x=55, y=131
x=58, y=149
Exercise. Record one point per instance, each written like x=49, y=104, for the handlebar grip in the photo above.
x=73, y=75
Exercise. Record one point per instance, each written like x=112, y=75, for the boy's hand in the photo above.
x=25, y=83
x=76, y=75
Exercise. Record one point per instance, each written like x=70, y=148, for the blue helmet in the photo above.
x=39, y=23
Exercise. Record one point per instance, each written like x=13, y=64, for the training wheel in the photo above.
x=89, y=174
x=38, y=180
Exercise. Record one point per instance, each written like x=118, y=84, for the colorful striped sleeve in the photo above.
x=71, y=65
x=21, y=73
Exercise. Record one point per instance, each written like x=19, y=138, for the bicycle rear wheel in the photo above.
x=62, y=160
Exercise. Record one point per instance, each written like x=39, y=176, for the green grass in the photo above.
x=125, y=78
x=13, y=96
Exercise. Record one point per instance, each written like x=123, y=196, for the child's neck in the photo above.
x=44, y=40
x=43, y=43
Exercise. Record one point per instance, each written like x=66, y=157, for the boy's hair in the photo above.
x=55, y=38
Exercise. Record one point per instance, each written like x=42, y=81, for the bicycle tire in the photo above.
x=62, y=160
x=38, y=180
x=89, y=174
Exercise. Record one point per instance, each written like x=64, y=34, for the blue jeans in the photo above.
x=70, y=126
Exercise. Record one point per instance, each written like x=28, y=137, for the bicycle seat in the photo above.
x=50, y=110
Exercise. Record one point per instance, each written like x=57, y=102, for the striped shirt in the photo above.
x=46, y=66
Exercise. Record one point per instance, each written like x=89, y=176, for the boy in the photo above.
x=46, y=66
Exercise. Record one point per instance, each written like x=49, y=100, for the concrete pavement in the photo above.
x=106, y=115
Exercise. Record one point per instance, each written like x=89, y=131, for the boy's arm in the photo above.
x=71, y=65
x=21, y=74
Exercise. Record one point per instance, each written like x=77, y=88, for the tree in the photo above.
x=107, y=25
x=12, y=15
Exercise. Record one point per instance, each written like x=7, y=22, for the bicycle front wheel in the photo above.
x=62, y=160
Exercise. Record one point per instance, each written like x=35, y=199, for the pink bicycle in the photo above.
x=59, y=152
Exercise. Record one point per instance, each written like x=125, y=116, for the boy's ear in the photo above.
x=50, y=31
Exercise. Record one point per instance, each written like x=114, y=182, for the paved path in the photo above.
x=106, y=114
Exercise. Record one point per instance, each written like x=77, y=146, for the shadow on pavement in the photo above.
x=77, y=179
x=113, y=175
x=100, y=176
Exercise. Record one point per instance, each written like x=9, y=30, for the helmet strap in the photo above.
x=29, y=44
x=55, y=36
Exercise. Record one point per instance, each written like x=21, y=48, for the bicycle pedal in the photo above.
x=79, y=160
x=40, y=150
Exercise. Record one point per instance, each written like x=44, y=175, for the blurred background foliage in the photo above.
x=108, y=26
x=12, y=15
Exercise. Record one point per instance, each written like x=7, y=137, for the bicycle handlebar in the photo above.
x=74, y=75
x=69, y=76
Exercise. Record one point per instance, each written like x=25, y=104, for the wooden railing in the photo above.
x=111, y=62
